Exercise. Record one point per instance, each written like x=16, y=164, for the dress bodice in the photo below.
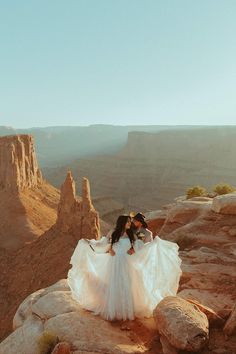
x=123, y=245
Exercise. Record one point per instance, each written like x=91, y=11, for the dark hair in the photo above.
x=120, y=228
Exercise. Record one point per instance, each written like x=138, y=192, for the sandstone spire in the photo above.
x=75, y=215
x=86, y=198
x=18, y=163
x=68, y=192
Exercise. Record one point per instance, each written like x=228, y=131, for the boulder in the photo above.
x=24, y=340
x=52, y=310
x=186, y=211
x=225, y=204
x=25, y=309
x=181, y=325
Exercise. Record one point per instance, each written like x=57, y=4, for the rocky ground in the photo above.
x=204, y=228
x=208, y=250
x=207, y=241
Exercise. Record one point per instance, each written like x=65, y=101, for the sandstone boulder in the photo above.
x=181, y=325
x=54, y=311
x=225, y=204
x=24, y=339
x=186, y=211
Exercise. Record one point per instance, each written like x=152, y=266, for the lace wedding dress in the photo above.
x=124, y=286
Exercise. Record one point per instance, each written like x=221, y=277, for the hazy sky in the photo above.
x=79, y=62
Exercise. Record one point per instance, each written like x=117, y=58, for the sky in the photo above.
x=124, y=62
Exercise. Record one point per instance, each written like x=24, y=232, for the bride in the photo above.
x=120, y=277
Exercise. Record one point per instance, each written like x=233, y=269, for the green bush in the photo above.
x=46, y=342
x=223, y=188
x=196, y=191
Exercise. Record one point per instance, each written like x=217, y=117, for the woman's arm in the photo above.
x=99, y=246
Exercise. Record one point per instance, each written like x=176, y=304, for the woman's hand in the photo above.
x=112, y=252
x=131, y=251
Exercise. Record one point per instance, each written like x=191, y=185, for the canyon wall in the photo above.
x=153, y=169
x=18, y=163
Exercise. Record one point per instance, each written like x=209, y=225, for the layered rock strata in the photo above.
x=18, y=163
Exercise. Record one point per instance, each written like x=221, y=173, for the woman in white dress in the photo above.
x=119, y=277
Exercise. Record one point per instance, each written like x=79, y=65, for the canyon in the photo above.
x=56, y=146
x=41, y=225
x=30, y=260
x=154, y=168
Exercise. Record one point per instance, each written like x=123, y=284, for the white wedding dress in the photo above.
x=124, y=286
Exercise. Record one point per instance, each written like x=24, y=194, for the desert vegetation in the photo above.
x=218, y=189
x=47, y=342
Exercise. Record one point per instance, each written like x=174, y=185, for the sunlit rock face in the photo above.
x=28, y=204
x=18, y=163
x=77, y=215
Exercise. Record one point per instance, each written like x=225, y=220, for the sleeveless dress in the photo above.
x=124, y=286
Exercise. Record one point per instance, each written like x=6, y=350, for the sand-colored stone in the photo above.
x=27, y=202
x=75, y=215
x=18, y=163
x=225, y=204
x=208, y=254
x=55, y=311
x=185, y=211
x=182, y=324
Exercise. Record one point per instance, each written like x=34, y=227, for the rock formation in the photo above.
x=230, y=326
x=208, y=251
x=47, y=259
x=181, y=325
x=24, y=196
x=225, y=204
x=75, y=215
x=18, y=164
x=159, y=166
x=54, y=311
x=209, y=278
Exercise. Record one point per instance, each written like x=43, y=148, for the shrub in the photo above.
x=224, y=188
x=46, y=342
x=196, y=191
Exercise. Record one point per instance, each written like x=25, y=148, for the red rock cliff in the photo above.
x=18, y=163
